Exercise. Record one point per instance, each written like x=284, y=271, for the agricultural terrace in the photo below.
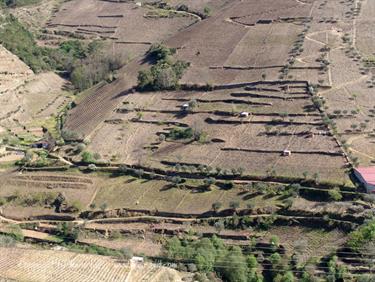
x=156, y=195
x=28, y=100
x=123, y=23
x=244, y=127
x=32, y=195
x=215, y=59
x=297, y=41
x=26, y=264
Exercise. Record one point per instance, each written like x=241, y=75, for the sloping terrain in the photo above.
x=23, y=264
x=236, y=154
x=27, y=99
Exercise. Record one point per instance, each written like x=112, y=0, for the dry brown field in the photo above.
x=202, y=44
x=74, y=187
x=199, y=5
x=159, y=195
x=267, y=62
x=124, y=23
x=26, y=264
x=351, y=90
x=288, y=117
x=365, y=39
x=95, y=192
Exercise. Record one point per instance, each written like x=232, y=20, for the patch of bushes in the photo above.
x=14, y=231
x=93, y=249
x=33, y=199
x=18, y=40
x=165, y=73
x=178, y=133
x=212, y=254
x=67, y=231
x=87, y=157
x=69, y=135
x=363, y=235
x=94, y=68
x=336, y=271
x=335, y=194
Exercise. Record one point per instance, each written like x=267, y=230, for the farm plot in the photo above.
x=265, y=45
x=365, y=41
x=251, y=12
x=308, y=243
x=123, y=22
x=159, y=227
x=333, y=11
x=352, y=109
x=204, y=46
x=17, y=190
x=26, y=264
x=28, y=99
x=137, y=245
x=12, y=78
x=45, y=265
x=258, y=46
x=340, y=61
x=201, y=44
x=199, y=5
x=93, y=109
x=277, y=120
x=36, y=16
x=162, y=196
x=362, y=147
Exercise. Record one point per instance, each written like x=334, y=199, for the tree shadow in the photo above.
x=130, y=180
x=166, y=187
x=249, y=196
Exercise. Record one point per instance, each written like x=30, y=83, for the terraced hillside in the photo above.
x=28, y=100
x=224, y=146
x=46, y=265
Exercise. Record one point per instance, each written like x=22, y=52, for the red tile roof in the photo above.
x=367, y=173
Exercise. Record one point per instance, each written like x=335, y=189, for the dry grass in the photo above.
x=123, y=192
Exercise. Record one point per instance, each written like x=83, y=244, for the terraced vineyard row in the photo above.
x=45, y=265
x=88, y=114
x=56, y=178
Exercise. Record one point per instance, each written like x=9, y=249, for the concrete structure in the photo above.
x=185, y=107
x=139, y=260
x=366, y=176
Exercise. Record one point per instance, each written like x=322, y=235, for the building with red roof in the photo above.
x=366, y=175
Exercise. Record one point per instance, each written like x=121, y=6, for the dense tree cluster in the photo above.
x=362, y=236
x=165, y=73
x=210, y=255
